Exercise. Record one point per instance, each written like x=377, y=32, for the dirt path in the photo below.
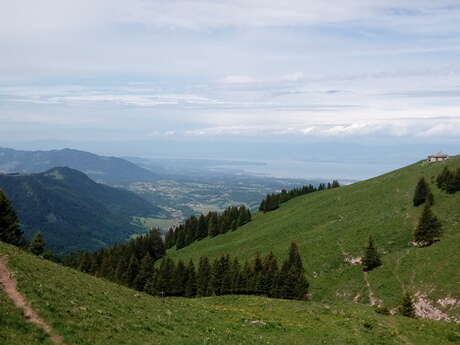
x=9, y=285
x=372, y=299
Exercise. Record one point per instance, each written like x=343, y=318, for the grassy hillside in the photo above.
x=333, y=225
x=89, y=311
x=73, y=211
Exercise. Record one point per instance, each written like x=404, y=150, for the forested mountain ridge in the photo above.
x=99, y=168
x=332, y=227
x=72, y=211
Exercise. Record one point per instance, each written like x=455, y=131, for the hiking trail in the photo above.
x=9, y=284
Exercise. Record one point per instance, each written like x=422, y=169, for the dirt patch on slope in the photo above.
x=9, y=285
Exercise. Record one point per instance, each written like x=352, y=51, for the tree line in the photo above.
x=449, y=180
x=273, y=201
x=429, y=227
x=222, y=276
x=120, y=262
x=211, y=224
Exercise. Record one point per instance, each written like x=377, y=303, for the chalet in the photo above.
x=438, y=157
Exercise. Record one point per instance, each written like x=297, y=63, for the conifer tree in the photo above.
x=146, y=271
x=291, y=282
x=270, y=274
x=10, y=230
x=428, y=229
x=37, y=245
x=203, y=277
x=180, y=279
x=421, y=192
x=443, y=178
x=165, y=278
x=371, y=257
x=257, y=279
x=235, y=276
x=246, y=279
x=191, y=283
x=132, y=271
x=407, y=306
x=262, y=205
x=202, y=227
x=213, y=225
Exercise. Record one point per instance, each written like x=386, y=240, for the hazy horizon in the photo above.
x=369, y=82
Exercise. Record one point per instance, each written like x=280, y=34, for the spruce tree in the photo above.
x=407, y=307
x=191, y=283
x=258, y=270
x=421, y=192
x=146, y=272
x=270, y=274
x=165, y=278
x=213, y=225
x=37, y=245
x=443, y=178
x=10, y=230
x=202, y=228
x=246, y=279
x=291, y=282
x=428, y=229
x=203, y=277
x=180, y=279
x=371, y=257
x=132, y=271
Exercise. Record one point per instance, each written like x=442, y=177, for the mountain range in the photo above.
x=104, y=169
x=72, y=211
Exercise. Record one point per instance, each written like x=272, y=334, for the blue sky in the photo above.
x=104, y=71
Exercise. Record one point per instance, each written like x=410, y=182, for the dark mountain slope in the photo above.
x=99, y=168
x=72, y=211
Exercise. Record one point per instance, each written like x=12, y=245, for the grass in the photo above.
x=333, y=224
x=90, y=311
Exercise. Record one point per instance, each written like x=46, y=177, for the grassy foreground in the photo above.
x=89, y=311
x=333, y=225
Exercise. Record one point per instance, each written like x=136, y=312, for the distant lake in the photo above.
x=324, y=170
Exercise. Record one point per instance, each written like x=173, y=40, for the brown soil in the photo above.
x=9, y=285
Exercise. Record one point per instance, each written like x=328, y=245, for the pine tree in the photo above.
x=203, y=277
x=421, y=192
x=257, y=279
x=270, y=274
x=246, y=279
x=180, y=279
x=371, y=258
x=443, y=178
x=213, y=225
x=165, y=278
x=37, y=245
x=146, y=271
x=294, y=257
x=291, y=282
x=407, y=306
x=262, y=205
x=191, y=284
x=132, y=271
x=10, y=231
x=202, y=227
x=428, y=229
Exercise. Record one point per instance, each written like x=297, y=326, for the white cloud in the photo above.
x=237, y=79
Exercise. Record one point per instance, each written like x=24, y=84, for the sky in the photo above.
x=179, y=77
